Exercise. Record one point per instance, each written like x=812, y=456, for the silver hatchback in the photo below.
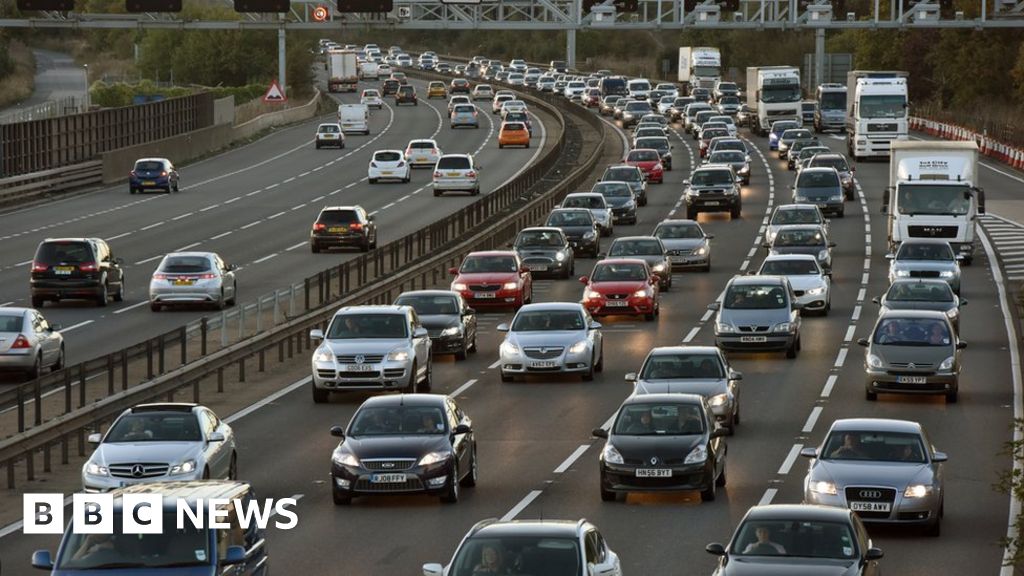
x=28, y=343
x=192, y=278
x=464, y=115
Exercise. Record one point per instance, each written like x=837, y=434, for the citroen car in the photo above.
x=662, y=442
x=790, y=214
x=28, y=343
x=184, y=278
x=598, y=206
x=631, y=175
x=388, y=165
x=821, y=187
x=812, y=286
x=922, y=294
x=738, y=161
x=622, y=286
x=713, y=189
x=920, y=258
x=579, y=227
x=450, y=323
x=404, y=443
x=649, y=249
x=803, y=239
x=620, y=200
x=887, y=471
x=493, y=279
x=159, y=443
x=686, y=243
x=153, y=174
x=758, y=313
x=338, y=226
x=551, y=338
x=76, y=268
x=545, y=251
x=329, y=134
x=371, y=348
x=700, y=370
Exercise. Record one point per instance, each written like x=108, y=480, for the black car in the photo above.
x=389, y=87
x=619, y=197
x=660, y=144
x=343, y=226
x=579, y=227
x=450, y=323
x=545, y=251
x=75, y=269
x=713, y=189
x=632, y=175
x=789, y=539
x=406, y=94
x=404, y=443
x=663, y=442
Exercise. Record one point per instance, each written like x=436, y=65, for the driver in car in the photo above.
x=764, y=544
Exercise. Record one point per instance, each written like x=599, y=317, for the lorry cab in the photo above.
x=876, y=112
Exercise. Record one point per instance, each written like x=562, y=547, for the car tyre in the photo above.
x=61, y=360
x=462, y=354
x=234, y=295
x=506, y=377
x=340, y=498
x=934, y=530
x=38, y=301
x=233, y=467
x=607, y=495
x=588, y=376
x=428, y=379
x=132, y=190
x=315, y=248
x=691, y=213
x=154, y=307
x=119, y=295
x=712, y=491
x=104, y=294
x=791, y=352
x=953, y=395
x=371, y=180
x=734, y=213
x=410, y=388
x=720, y=481
x=470, y=479
x=319, y=396
x=870, y=395
x=37, y=368
x=451, y=496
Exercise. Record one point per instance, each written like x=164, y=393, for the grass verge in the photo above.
x=18, y=86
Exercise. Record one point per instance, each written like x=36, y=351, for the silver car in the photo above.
x=758, y=313
x=790, y=214
x=551, y=338
x=457, y=172
x=922, y=294
x=812, y=286
x=926, y=259
x=28, y=343
x=887, y=471
x=192, y=278
x=464, y=115
x=739, y=161
x=686, y=243
x=693, y=370
x=803, y=239
x=372, y=348
x=161, y=443
x=594, y=202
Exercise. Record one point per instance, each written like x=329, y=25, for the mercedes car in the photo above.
x=686, y=243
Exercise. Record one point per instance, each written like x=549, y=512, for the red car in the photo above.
x=495, y=279
x=621, y=286
x=648, y=160
x=592, y=97
x=459, y=86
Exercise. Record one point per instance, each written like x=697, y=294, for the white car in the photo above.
x=371, y=98
x=518, y=65
x=404, y=60
x=668, y=89
x=197, y=278
x=729, y=122
x=388, y=165
x=811, y=285
x=546, y=84
x=638, y=88
x=329, y=134
x=456, y=100
x=512, y=106
x=482, y=92
x=384, y=70
x=456, y=172
x=517, y=79
x=422, y=152
x=574, y=90
x=665, y=103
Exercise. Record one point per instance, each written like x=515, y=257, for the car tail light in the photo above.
x=207, y=276
x=132, y=173
x=159, y=276
x=88, y=267
x=355, y=226
x=319, y=226
x=373, y=164
x=437, y=174
x=400, y=163
x=39, y=267
x=163, y=173
x=408, y=152
x=471, y=174
x=20, y=342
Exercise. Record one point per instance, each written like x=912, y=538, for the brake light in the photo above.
x=164, y=173
x=355, y=226
x=437, y=174
x=38, y=267
x=88, y=267
x=132, y=173
x=471, y=174
x=207, y=276
x=319, y=226
x=159, y=276
x=20, y=342
x=373, y=164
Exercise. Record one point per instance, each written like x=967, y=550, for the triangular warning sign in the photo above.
x=274, y=93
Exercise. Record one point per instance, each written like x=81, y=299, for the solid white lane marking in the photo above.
x=572, y=458
x=841, y=358
x=185, y=215
x=812, y=419
x=769, y=495
x=692, y=334
x=221, y=235
x=829, y=385
x=529, y=498
x=151, y=226
x=787, y=464
x=250, y=225
x=462, y=388
x=76, y=326
x=132, y=307
x=265, y=258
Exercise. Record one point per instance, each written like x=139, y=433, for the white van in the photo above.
x=369, y=70
x=354, y=118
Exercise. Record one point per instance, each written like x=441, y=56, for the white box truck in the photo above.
x=933, y=193
x=773, y=93
x=342, y=71
x=876, y=112
x=699, y=67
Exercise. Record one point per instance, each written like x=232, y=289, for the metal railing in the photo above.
x=27, y=187
x=51, y=109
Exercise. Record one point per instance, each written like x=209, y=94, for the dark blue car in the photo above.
x=153, y=174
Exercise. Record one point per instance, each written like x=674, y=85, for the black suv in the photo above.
x=406, y=94
x=343, y=226
x=75, y=268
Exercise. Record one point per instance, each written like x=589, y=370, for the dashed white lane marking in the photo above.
x=76, y=326
x=268, y=400
x=707, y=315
x=458, y=391
x=281, y=213
x=849, y=333
x=119, y=236
x=856, y=312
x=150, y=259
x=221, y=235
x=250, y=225
x=210, y=207
x=301, y=206
x=299, y=245
x=275, y=185
x=187, y=246
x=265, y=258
x=182, y=216
x=495, y=365
x=529, y=498
x=769, y=495
x=841, y=358
x=830, y=383
x=787, y=464
x=572, y=458
x=230, y=200
x=812, y=419
x=151, y=226
x=132, y=307
x=693, y=332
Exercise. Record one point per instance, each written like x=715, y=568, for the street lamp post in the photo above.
x=86, y=98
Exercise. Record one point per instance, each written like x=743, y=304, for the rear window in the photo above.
x=622, y=174
x=425, y=145
x=337, y=217
x=644, y=156
x=387, y=156
x=818, y=179
x=453, y=163
x=149, y=165
x=406, y=89
x=514, y=127
x=9, y=323
x=185, y=264
x=465, y=109
x=57, y=252
x=329, y=129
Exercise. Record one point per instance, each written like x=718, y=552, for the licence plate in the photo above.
x=148, y=183
x=484, y=295
x=616, y=303
x=912, y=380
x=869, y=506
x=183, y=282
x=359, y=368
x=63, y=269
x=338, y=229
x=753, y=338
x=386, y=172
x=453, y=174
x=543, y=364
x=653, y=473
x=537, y=267
x=711, y=203
x=387, y=478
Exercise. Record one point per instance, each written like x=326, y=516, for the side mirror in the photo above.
x=420, y=332
x=601, y=255
x=959, y=257
x=233, y=555
x=809, y=452
x=503, y=327
x=631, y=377
x=715, y=548
x=718, y=432
x=831, y=244
x=584, y=280
x=862, y=341
x=686, y=182
x=118, y=260
x=469, y=312
x=232, y=267
x=216, y=437
x=453, y=271
x=595, y=325
x=939, y=457
x=316, y=334
x=337, y=431
x=42, y=559
x=715, y=306
x=602, y=569
x=462, y=429
x=877, y=300
x=524, y=270
x=797, y=306
x=734, y=375
x=963, y=302
x=371, y=217
x=765, y=245
x=654, y=279
x=890, y=256
x=599, y=433
x=961, y=345
x=94, y=438
x=433, y=570
x=873, y=554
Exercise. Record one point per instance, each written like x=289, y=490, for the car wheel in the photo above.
x=600, y=363
x=365, y=246
x=176, y=187
x=315, y=248
x=119, y=295
x=712, y=491
x=934, y=530
x=649, y=317
x=428, y=379
x=221, y=303
x=132, y=190
x=734, y=213
x=691, y=213
x=234, y=295
x=319, y=395
x=206, y=473
x=588, y=376
x=233, y=467
x=37, y=368
x=104, y=294
x=340, y=498
x=371, y=180
x=870, y=395
x=953, y=395
x=470, y=479
x=500, y=146
x=410, y=387
x=437, y=192
x=38, y=301
x=506, y=377
x=607, y=495
x=841, y=214
x=791, y=351
x=461, y=354
x=451, y=496
x=61, y=359
x=154, y=307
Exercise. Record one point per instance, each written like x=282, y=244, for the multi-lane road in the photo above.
x=537, y=458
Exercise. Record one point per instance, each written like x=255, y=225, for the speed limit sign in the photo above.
x=320, y=13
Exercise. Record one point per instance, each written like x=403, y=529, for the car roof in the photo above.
x=164, y=407
x=924, y=241
x=829, y=156
x=676, y=221
x=796, y=207
x=14, y=310
x=491, y=253
x=921, y=281
x=674, y=398
x=584, y=194
x=797, y=511
x=372, y=309
x=666, y=350
x=570, y=209
x=152, y=160
x=537, y=528
x=429, y=140
x=327, y=208
x=773, y=257
x=551, y=306
x=329, y=124
x=822, y=169
x=428, y=293
x=757, y=279
x=801, y=227
x=375, y=152
x=202, y=254
x=405, y=400
x=551, y=229
x=620, y=261
x=876, y=424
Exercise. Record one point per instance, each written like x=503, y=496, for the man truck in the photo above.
x=773, y=93
x=876, y=112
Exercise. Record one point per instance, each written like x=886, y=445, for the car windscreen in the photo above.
x=549, y=238
x=513, y=127
x=754, y=297
x=912, y=251
x=173, y=549
x=639, y=85
x=488, y=265
x=636, y=248
x=185, y=264
x=912, y=332
x=356, y=326
x=729, y=100
x=387, y=156
x=648, y=132
x=837, y=163
x=659, y=419
x=453, y=163
x=798, y=216
x=709, y=133
x=61, y=251
x=811, y=151
x=422, y=145
x=816, y=179
x=678, y=231
x=155, y=427
x=727, y=157
x=545, y=320
x=780, y=127
x=920, y=292
x=430, y=305
x=619, y=273
x=330, y=217
x=624, y=174
x=712, y=178
x=574, y=218
x=148, y=166
x=874, y=446
x=799, y=134
x=684, y=365
x=799, y=237
x=731, y=145
x=638, y=107
x=534, y=555
x=613, y=189
x=795, y=267
x=589, y=202
x=397, y=421
x=797, y=536
x=643, y=156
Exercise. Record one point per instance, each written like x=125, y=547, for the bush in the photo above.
x=122, y=94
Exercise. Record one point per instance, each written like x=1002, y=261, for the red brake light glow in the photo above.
x=319, y=226
x=355, y=226
x=20, y=342
x=39, y=267
x=88, y=267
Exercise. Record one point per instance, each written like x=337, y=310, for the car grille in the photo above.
x=798, y=293
x=410, y=485
x=870, y=494
x=753, y=328
x=149, y=470
x=616, y=296
x=907, y=365
x=781, y=112
x=538, y=260
x=932, y=231
x=662, y=462
x=716, y=192
x=543, y=353
x=924, y=273
x=367, y=358
x=484, y=287
x=622, y=210
x=882, y=127
x=397, y=464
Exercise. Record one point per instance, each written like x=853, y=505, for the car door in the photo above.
x=468, y=319
x=594, y=335
x=109, y=263
x=420, y=345
x=49, y=343
x=715, y=445
x=461, y=443
x=227, y=276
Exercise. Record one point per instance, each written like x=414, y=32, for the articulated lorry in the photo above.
x=342, y=71
x=773, y=93
x=933, y=193
x=830, y=107
x=876, y=112
x=699, y=67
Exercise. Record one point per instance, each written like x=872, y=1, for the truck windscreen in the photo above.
x=780, y=93
x=927, y=199
x=885, y=106
x=706, y=71
x=833, y=101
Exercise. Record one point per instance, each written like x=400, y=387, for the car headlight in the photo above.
x=823, y=487
x=186, y=467
x=952, y=313
x=560, y=256
x=509, y=349
x=611, y=455
x=697, y=455
x=659, y=167
x=903, y=273
x=946, y=274
x=579, y=347
x=510, y=285
x=641, y=293
x=719, y=400
x=917, y=491
x=744, y=169
x=346, y=459
x=399, y=355
x=434, y=458
x=816, y=291
x=591, y=294
x=722, y=327
x=589, y=235
x=630, y=205
x=459, y=287
x=874, y=361
x=323, y=355
x=947, y=364
x=783, y=327
x=450, y=331
x=93, y=469
x=702, y=250
x=822, y=254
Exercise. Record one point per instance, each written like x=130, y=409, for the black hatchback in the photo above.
x=75, y=268
x=343, y=226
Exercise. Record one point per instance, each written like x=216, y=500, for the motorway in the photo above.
x=254, y=206
x=537, y=458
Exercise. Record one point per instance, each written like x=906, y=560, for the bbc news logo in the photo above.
x=144, y=513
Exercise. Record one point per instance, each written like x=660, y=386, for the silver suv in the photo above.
x=371, y=348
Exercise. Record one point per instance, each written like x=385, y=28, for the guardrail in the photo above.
x=420, y=258
x=40, y=184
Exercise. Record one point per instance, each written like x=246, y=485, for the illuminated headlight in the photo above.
x=903, y=273
x=917, y=491
x=450, y=331
x=783, y=327
x=947, y=364
x=952, y=313
x=722, y=327
x=509, y=349
x=591, y=295
x=641, y=293
x=773, y=137
x=345, y=459
x=719, y=400
x=744, y=169
x=627, y=115
x=186, y=467
x=510, y=285
x=946, y=274
x=323, y=355
x=658, y=267
x=578, y=348
x=816, y=291
x=459, y=287
x=659, y=167
x=398, y=355
x=697, y=455
x=874, y=361
x=560, y=257
x=589, y=235
x=93, y=469
x=611, y=455
x=434, y=458
x=823, y=254
x=822, y=487
x=702, y=250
